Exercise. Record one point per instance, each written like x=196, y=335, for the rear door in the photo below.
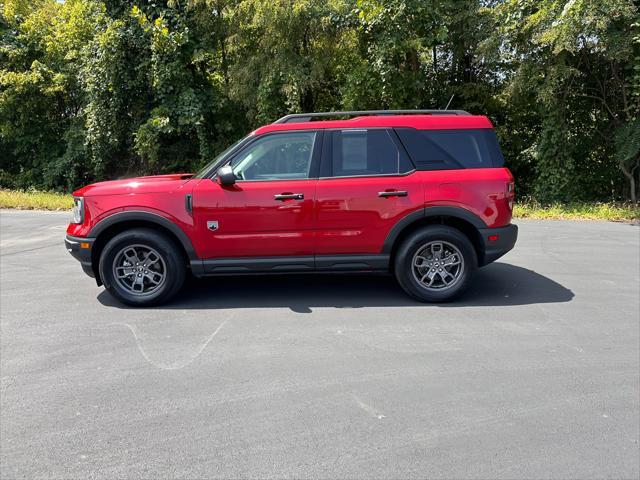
x=366, y=185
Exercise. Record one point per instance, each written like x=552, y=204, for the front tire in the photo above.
x=142, y=267
x=435, y=263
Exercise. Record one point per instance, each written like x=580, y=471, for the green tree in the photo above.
x=284, y=56
x=574, y=60
x=40, y=97
x=97, y=89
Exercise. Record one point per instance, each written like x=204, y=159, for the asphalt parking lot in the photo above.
x=533, y=374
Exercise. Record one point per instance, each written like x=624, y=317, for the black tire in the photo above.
x=455, y=243
x=172, y=265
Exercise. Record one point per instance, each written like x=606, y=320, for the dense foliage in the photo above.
x=101, y=89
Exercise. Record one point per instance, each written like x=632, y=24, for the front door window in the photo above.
x=283, y=156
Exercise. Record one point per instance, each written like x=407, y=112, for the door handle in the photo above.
x=289, y=196
x=393, y=193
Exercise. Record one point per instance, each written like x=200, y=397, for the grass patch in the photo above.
x=34, y=200
x=614, y=212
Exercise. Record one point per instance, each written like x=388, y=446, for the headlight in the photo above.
x=78, y=210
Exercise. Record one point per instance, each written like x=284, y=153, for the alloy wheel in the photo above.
x=139, y=269
x=438, y=265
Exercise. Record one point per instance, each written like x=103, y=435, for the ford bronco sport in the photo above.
x=422, y=194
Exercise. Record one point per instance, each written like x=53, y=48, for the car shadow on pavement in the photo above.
x=499, y=284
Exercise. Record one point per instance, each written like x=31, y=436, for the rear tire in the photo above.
x=435, y=263
x=142, y=267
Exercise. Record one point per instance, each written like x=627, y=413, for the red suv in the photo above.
x=421, y=193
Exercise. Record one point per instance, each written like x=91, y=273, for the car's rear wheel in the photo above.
x=435, y=263
x=142, y=267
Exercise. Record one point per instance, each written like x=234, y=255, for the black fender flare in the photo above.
x=140, y=215
x=445, y=211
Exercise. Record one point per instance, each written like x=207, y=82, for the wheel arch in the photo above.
x=114, y=224
x=459, y=218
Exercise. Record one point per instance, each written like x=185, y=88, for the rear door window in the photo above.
x=366, y=152
x=451, y=149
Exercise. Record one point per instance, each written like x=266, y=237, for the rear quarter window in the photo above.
x=452, y=149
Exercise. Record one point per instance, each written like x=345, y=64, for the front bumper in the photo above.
x=80, y=249
x=497, y=242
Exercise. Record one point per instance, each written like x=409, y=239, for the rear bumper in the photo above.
x=497, y=242
x=80, y=249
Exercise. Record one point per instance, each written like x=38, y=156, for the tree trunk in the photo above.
x=307, y=103
x=632, y=182
x=435, y=60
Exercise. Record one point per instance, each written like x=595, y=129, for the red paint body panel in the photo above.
x=482, y=191
x=252, y=223
x=352, y=218
x=150, y=184
x=161, y=195
x=337, y=216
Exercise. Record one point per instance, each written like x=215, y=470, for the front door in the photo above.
x=269, y=211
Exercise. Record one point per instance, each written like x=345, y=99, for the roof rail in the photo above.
x=307, y=117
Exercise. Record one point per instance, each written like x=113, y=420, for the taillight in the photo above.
x=510, y=194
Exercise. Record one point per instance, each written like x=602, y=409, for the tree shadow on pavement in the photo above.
x=498, y=284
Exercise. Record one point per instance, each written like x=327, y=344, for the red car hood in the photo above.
x=151, y=184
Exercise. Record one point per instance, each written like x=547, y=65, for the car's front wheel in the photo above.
x=142, y=267
x=435, y=263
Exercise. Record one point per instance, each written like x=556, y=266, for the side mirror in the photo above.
x=226, y=177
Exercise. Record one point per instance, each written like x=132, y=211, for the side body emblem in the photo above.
x=212, y=225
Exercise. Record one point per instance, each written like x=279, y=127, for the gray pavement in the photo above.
x=533, y=374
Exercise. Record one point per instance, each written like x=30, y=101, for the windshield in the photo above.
x=209, y=166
